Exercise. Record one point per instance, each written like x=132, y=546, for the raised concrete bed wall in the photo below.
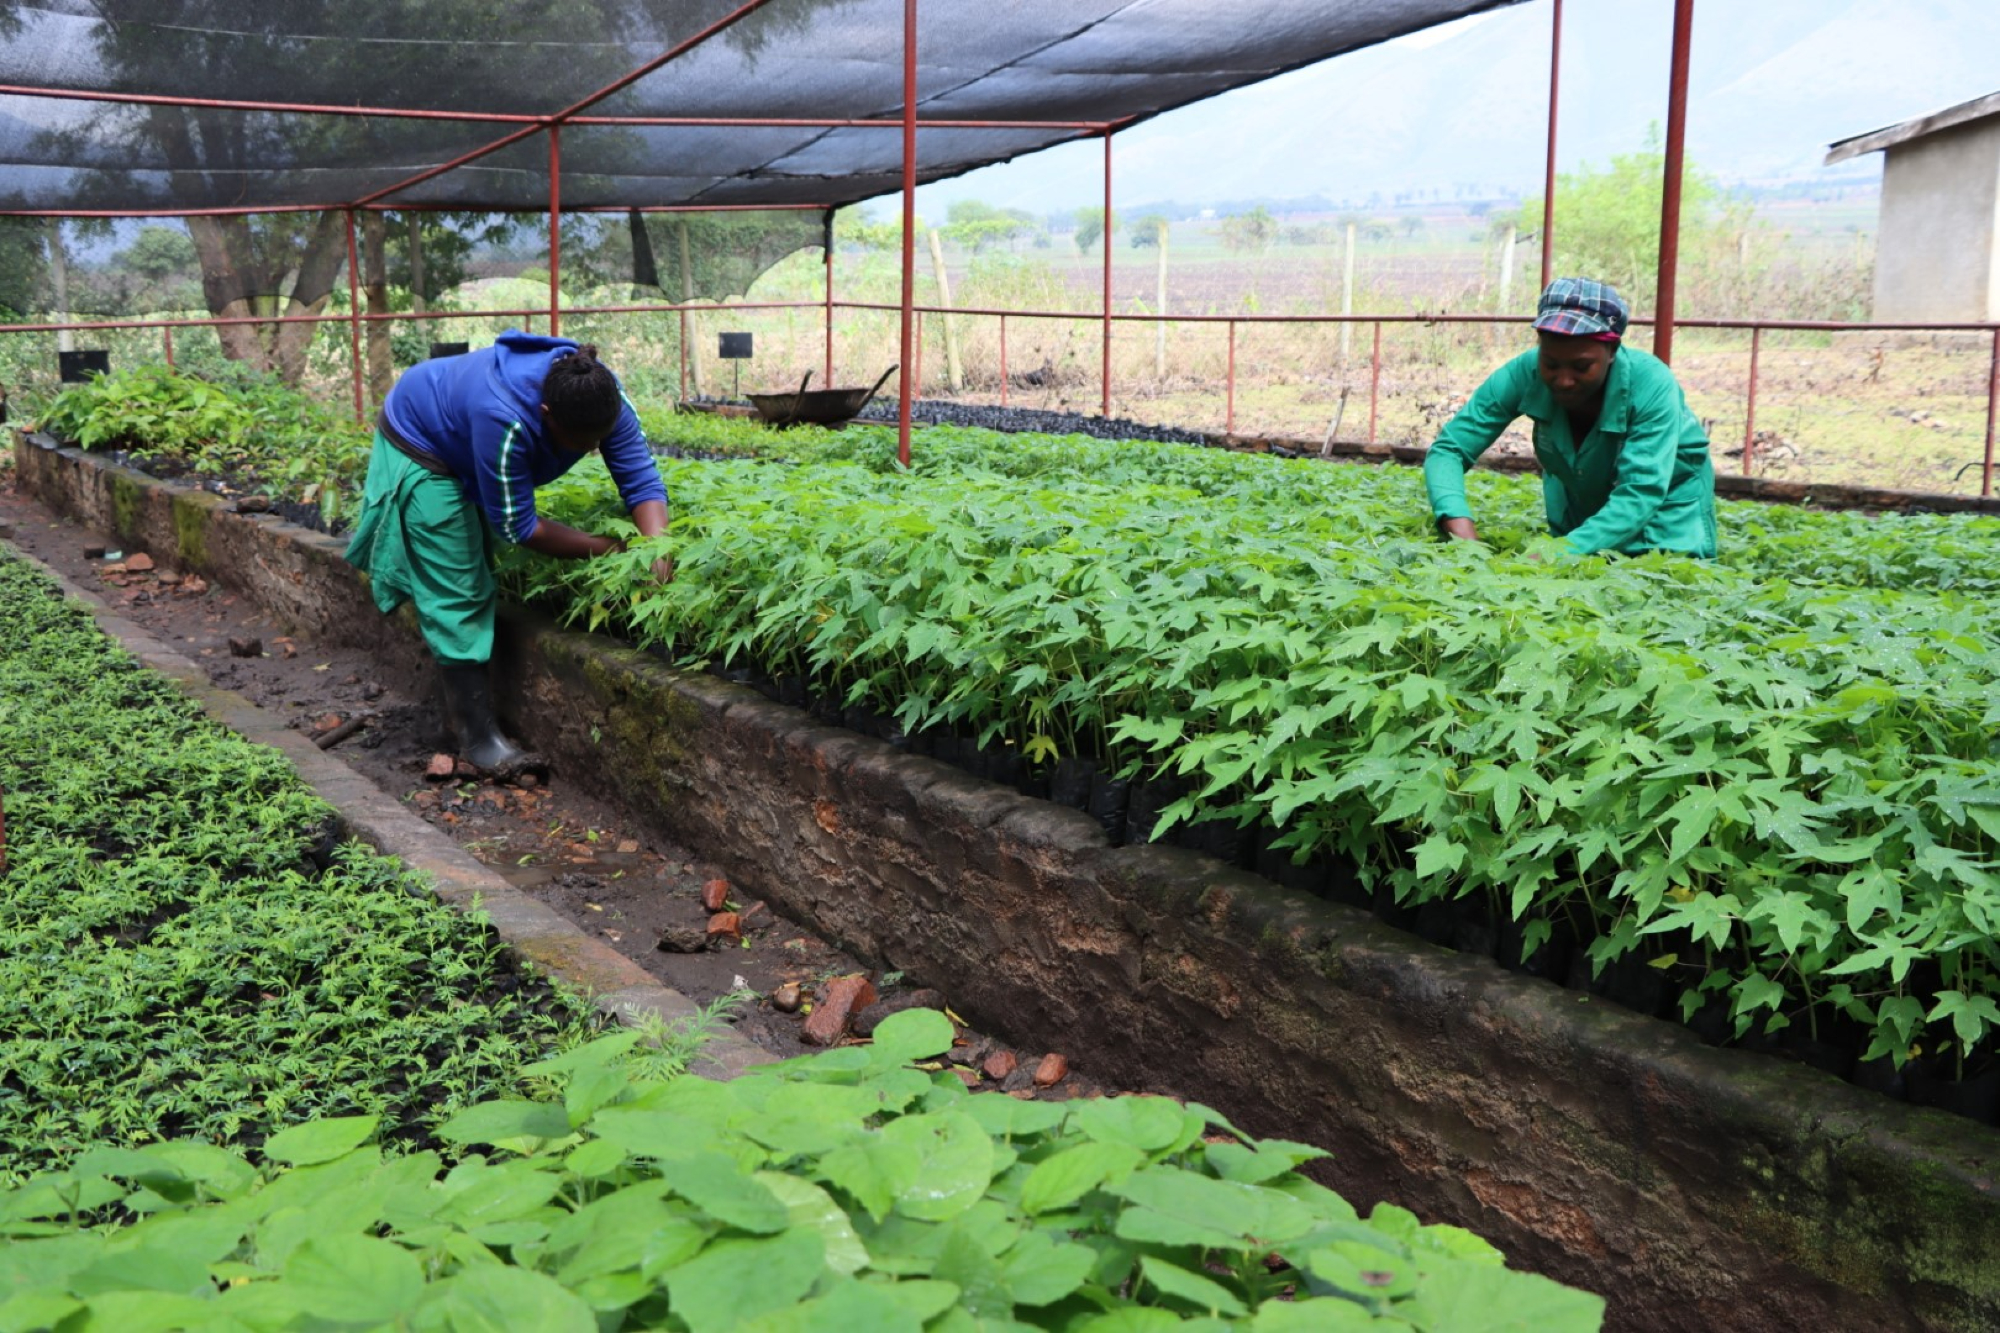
x=1699, y=1189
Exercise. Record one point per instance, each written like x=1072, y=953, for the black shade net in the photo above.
x=1100, y=61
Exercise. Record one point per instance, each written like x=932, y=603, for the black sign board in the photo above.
x=735, y=347
x=76, y=367
x=449, y=349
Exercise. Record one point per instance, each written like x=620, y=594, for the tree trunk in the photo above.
x=416, y=248
x=375, y=290
x=645, y=271
x=234, y=285
x=59, y=280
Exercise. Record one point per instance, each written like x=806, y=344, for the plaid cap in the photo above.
x=1583, y=308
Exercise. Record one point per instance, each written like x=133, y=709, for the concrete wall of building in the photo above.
x=1938, y=254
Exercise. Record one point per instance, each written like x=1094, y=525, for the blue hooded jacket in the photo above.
x=481, y=415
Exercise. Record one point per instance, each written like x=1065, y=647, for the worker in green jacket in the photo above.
x=1625, y=464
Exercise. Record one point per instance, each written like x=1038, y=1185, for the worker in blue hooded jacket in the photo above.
x=460, y=446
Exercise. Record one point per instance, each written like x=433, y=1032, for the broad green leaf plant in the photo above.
x=845, y=1191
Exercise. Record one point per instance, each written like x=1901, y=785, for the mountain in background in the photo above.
x=1462, y=109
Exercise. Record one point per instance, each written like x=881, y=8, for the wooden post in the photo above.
x=954, y=373
x=1507, y=267
x=1347, y=299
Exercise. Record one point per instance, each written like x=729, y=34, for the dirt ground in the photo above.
x=620, y=881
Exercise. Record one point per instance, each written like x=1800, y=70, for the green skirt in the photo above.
x=420, y=539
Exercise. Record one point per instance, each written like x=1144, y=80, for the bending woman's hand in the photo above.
x=1459, y=529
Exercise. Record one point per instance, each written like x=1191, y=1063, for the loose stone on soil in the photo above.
x=787, y=998
x=714, y=894
x=998, y=1065
x=138, y=562
x=442, y=766
x=828, y=1022
x=726, y=924
x=94, y=552
x=246, y=647
x=1051, y=1071
x=683, y=939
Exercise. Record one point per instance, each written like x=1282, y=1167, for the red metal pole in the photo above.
x=1670, y=194
x=555, y=231
x=1229, y=390
x=1549, y=171
x=167, y=336
x=828, y=381
x=354, y=314
x=1003, y=361
x=909, y=224
x=1104, y=367
x=1374, y=381
x=1992, y=394
x=1750, y=411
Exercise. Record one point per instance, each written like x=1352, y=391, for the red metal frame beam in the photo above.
x=673, y=52
x=536, y=122
x=1549, y=169
x=909, y=226
x=555, y=231
x=1670, y=192
x=391, y=208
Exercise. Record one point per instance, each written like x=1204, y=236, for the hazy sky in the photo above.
x=1773, y=82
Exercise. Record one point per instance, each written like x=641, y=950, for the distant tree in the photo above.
x=978, y=225
x=1090, y=227
x=1375, y=229
x=159, y=253
x=1250, y=232
x=1479, y=208
x=851, y=227
x=1411, y=224
x=1608, y=220
x=1147, y=232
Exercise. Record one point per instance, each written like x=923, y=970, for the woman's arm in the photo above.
x=1470, y=433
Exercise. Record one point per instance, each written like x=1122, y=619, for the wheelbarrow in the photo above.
x=819, y=407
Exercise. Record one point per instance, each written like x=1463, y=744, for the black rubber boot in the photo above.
x=469, y=707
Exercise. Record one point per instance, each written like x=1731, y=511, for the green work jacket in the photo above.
x=1641, y=480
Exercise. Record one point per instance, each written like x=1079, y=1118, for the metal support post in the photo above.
x=555, y=230
x=828, y=381
x=909, y=225
x=1549, y=170
x=1104, y=367
x=1670, y=194
x=1992, y=395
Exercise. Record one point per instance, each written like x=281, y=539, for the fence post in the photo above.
x=1374, y=381
x=167, y=337
x=1229, y=408
x=1750, y=409
x=1003, y=361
